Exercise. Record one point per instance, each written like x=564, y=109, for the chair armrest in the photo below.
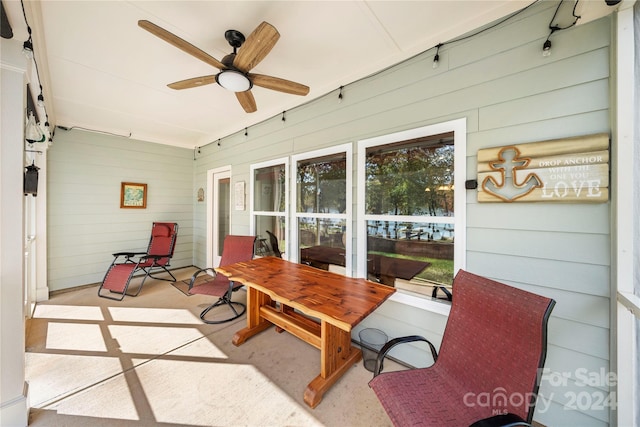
x=156, y=257
x=502, y=420
x=195, y=275
x=401, y=340
x=127, y=255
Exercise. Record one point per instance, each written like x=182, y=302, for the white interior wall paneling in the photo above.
x=590, y=122
x=555, y=414
x=565, y=218
x=581, y=337
x=86, y=223
x=549, y=274
x=565, y=360
x=591, y=96
x=565, y=417
x=572, y=247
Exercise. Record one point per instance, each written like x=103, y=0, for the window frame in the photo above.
x=347, y=216
x=459, y=129
x=285, y=214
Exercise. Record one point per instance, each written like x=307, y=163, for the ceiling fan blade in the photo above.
x=281, y=85
x=180, y=43
x=256, y=47
x=247, y=101
x=194, y=82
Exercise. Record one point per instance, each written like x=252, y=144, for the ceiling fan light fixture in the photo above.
x=234, y=81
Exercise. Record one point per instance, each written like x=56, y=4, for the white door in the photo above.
x=219, y=212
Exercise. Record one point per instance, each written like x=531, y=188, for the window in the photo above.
x=411, y=209
x=322, y=201
x=268, y=205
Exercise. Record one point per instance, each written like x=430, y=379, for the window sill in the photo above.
x=425, y=303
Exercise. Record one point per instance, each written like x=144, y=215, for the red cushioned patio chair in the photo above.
x=235, y=249
x=488, y=369
x=126, y=264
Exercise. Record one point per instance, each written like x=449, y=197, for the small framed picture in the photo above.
x=133, y=195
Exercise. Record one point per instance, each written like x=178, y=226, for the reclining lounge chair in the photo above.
x=126, y=264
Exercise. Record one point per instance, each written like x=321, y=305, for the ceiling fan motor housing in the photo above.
x=235, y=38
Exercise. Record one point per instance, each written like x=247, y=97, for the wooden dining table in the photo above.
x=317, y=306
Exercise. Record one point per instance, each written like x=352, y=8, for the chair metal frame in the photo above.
x=126, y=264
x=273, y=241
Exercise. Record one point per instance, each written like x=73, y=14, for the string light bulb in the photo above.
x=340, y=95
x=436, y=58
x=546, y=48
x=27, y=46
x=32, y=132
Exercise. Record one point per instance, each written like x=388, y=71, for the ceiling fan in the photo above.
x=234, y=68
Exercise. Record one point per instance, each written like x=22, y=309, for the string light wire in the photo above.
x=26, y=45
x=546, y=47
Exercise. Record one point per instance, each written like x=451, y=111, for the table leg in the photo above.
x=286, y=310
x=255, y=323
x=336, y=356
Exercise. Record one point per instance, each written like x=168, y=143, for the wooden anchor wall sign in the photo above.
x=574, y=170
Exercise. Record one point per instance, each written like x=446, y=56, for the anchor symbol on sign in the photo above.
x=510, y=189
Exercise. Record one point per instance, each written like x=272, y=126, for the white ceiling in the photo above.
x=104, y=73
